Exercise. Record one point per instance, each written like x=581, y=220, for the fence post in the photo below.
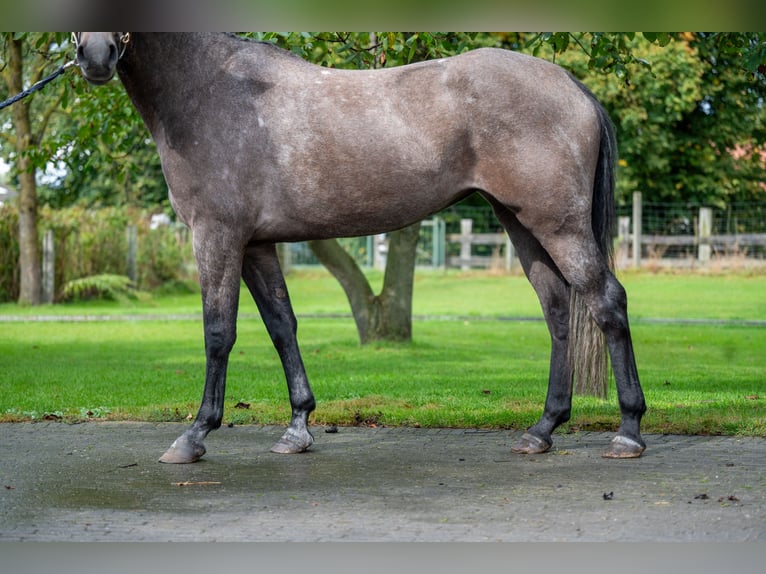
x=510, y=253
x=380, y=251
x=438, y=242
x=49, y=267
x=466, y=229
x=637, y=226
x=285, y=255
x=705, y=231
x=370, y=251
x=623, y=241
x=131, y=260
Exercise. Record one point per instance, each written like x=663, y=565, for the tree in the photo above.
x=108, y=153
x=25, y=59
x=388, y=315
x=96, y=135
x=680, y=114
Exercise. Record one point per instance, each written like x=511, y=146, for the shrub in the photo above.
x=93, y=243
x=9, y=253
x=111, y=287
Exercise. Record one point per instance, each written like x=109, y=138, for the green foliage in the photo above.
x=162, y=253
x=109, y=156
x=93, y=135
x=365, y=50
x=88, y=242
x=45, y=51
x=93, y=242
x=9, y=253
x=109, y=287
x=607, y=53
x=679, y=118
x=613, y=52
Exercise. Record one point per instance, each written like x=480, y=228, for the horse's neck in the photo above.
x=159, y=67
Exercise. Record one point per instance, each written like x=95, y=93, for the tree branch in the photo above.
x=45, y=118
x=343, y=267
x=8, y=137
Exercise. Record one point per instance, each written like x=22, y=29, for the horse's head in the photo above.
x=98, y=53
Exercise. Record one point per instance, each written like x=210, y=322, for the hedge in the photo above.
x=90, y=242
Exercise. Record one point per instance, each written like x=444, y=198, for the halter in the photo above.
x=122, y=37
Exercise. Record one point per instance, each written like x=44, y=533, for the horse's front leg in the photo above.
x=263, y=276
x=219, y=260
x=553, y=292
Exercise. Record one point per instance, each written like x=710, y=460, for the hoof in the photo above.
x=183, y=452
x=623, y=447
x=293, y=442
x=531, y=444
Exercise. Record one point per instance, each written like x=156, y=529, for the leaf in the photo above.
x=560, y=41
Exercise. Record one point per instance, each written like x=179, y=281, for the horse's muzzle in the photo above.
x=97, y=56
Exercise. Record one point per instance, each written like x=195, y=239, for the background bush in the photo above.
x=93, y=242
x=9, y=253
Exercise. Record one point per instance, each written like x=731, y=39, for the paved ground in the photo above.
x=101, y=481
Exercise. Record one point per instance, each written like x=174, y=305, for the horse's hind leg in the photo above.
x=553, y=292
x=608, y=304
x=580, y=261
x=263, y=276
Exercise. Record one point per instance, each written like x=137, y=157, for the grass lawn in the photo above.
x=471, y=372
x=675, y=296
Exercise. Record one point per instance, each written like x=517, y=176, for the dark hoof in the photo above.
x=183, y=452
x=293, y=442
x=623, y=447
x=531, y=444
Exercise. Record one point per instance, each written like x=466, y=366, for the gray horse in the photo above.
x=259, y=147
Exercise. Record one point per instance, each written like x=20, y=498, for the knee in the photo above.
x=219, y=340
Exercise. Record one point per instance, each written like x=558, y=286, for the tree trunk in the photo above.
x=30, y=284
x=383, y=317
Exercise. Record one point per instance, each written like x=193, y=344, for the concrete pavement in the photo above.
x=102, y=482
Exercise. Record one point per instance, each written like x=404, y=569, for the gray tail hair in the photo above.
x=587, y=353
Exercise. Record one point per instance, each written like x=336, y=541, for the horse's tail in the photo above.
x=588, y=355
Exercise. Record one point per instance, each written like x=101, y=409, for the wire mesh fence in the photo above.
x=669, y=232
x=675, y=231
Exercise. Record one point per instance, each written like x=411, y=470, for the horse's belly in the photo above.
x=349, y=213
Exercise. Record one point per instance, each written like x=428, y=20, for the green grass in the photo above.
x=699, y=378
x=663, y=295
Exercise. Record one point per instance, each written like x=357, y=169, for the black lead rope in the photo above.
x=35, y=87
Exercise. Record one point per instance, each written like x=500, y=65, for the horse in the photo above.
x=259, y=146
